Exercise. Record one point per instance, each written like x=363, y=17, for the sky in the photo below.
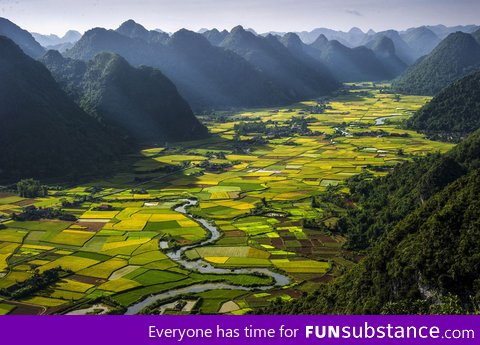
x=58, y=16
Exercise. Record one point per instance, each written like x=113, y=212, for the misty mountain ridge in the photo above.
x=410, y=44
x=349, y=64
x=288, y=70
x=44, y=133
x=21, y=37
x=206, y=75
x=47, y=41
x=140, y=103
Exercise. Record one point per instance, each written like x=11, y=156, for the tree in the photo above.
x=30, y=188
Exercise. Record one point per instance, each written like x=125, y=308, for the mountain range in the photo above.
x=290, y=71
x=44, y=133
x=410, y=44
x=47, y=41
x=21, y=37
x=139, y=103
x=350, y=64
x=207, y=76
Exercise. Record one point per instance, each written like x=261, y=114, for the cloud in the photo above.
x=354, y=13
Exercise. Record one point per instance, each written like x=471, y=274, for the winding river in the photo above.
x=381, y=120
x=202, y=266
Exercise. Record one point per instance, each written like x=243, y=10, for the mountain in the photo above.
x=214, y=36
x=304, y=54
x=428, y=261
x=443, y=31
x=476, y=35
x=269, y=56
x=353, y=38
x=421, y=40
x=456, y=56
x=99, y=40
x=207, y=76
x=21, y=37
x=61, y=47
x=402, y=49
x=384, y=50
x=139, y=102
x=455, y=110
x=223, y=77
x=348, y=64
x=44, y=133
x=134, y=30
x=48, y=41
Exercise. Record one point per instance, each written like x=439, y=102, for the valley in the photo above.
x=266, y=190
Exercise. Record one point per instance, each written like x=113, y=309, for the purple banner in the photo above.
x=138, y=330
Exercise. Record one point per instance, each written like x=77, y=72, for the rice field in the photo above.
x=257, y=193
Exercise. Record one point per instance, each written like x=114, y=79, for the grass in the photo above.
x=72, y=285
x=6, y=308
x=43, y=225
x=99, y=214
x=44, y=301
x=243, y=252
x=72, y=237
x=119, y=285
x=147, y=257
x=6, y=250
x=154, y=277
x=235, y=279
x=70, y=262
x=104, y=269
x=135, y=295
x=212, y=300
x=12, y=235
x=301, y=266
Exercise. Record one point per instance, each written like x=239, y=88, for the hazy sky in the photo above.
x=57, y=16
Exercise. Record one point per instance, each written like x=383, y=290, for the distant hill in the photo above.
x=214, y=36
x=402, y=49
x=454, y=111
x=48, y=41
x=384, y=50
x=21, y=37
x=349, y=64
x=207, y=76
x=443, y=31
x=304, y=54
x=44, y=133
x=476, y=35
x=410, y=44
x=134, y=30
x=456, y=56
x=353, y=38
x=62, y=47
x=421, y=41
x=139, y=102
x=299, y=79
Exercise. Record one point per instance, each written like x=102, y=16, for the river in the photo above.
x=202, y=266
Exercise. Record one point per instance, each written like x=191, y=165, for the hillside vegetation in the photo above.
x=453, y=113
x=140, y=103
x=44, y=133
